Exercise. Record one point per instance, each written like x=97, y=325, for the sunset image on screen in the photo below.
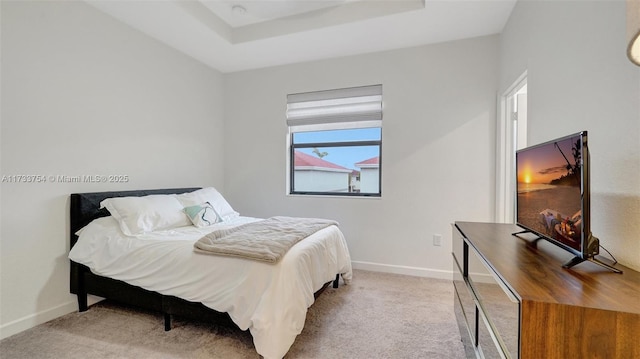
x=546, y=164
x=549, y=190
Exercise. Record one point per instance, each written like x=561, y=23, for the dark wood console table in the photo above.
x=513, y=299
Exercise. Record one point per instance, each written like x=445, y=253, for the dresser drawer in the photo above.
x=498, y=303
x=467, y=339
x=457, y=248
x=464, y=299
x=487, y=342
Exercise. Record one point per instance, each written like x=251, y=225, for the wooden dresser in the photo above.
x=513, y=299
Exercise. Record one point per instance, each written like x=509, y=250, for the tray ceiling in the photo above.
x=236, y=35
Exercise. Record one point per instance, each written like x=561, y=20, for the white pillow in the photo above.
x=211, y=195
x=202, y=215
x=138, y=215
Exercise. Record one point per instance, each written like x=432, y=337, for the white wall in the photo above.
x=579, y=78
x=83, y=94
x=438, y=140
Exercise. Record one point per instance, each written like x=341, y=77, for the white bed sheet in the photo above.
x=270, y=300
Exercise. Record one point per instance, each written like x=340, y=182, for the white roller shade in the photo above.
x=359, y=106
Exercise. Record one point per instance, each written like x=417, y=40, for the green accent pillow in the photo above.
x=202, y=215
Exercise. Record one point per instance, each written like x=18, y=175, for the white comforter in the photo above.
x=270, y=300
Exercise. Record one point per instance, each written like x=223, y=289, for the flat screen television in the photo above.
x=553, y=198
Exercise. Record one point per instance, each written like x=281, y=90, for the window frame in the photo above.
x=293, y=146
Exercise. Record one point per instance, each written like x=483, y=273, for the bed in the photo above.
x=161, y=271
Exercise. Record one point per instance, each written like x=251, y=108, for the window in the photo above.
x=335, y=142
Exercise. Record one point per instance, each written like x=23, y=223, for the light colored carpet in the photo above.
x=378, y=315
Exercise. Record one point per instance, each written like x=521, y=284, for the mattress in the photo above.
x=270, y=300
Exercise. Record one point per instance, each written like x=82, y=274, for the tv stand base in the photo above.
x=577, y=260
x=517, y=234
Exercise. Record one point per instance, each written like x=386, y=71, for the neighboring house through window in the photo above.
x=313, y=174
x=369, y=174
x=335, y=142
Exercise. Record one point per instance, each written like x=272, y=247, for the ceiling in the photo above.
x=236, y=35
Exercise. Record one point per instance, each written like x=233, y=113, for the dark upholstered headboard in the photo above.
x=85, y=207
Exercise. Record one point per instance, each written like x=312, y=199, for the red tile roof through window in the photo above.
x=305, y=160
x=370, y=161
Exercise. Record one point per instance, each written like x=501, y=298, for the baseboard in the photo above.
x=483, y=278
x=396, y=269
x=32, y=320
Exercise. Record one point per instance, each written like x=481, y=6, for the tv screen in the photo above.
x=553, y=192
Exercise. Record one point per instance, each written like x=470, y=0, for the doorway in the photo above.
x=511, y=136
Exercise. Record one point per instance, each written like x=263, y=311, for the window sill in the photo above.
x=332, y=196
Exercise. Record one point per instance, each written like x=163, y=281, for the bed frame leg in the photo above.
x=336, y=282
x=167, y=322
x=82, y=302
x=81, y=291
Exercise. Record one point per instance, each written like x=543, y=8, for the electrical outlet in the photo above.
x=437, y=240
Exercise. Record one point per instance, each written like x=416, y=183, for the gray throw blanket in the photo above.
x=266, y=240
